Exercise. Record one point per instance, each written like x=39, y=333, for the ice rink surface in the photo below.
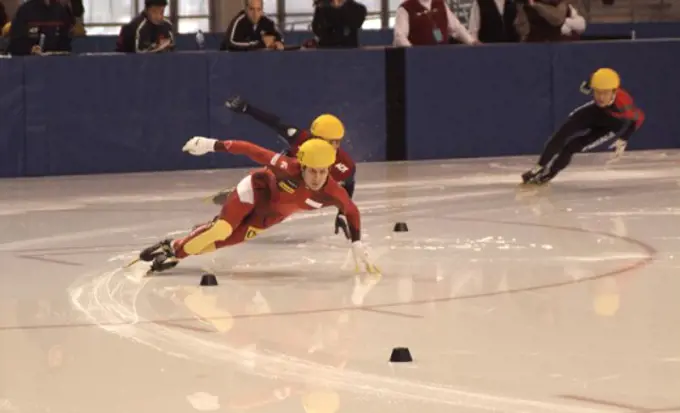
x=560, y=300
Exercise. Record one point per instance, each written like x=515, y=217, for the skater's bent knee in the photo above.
x=219, y=230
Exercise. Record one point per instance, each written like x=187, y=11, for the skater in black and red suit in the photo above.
x=327, y=127
x=611, y=115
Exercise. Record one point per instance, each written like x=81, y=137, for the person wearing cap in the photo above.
x=263, y=199
x=150, y=32
x=610, y=115
x=41, y=26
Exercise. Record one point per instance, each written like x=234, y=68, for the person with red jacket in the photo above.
x=611, y=114
x=327, y=127
x=427, y=23
x=263, y=199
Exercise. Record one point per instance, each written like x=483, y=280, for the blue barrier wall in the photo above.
x=112, y=113
x=493, y=100
x=298, y=86
x=12, y=118
x=102, y=114
x=507, y=100
x=649, y=72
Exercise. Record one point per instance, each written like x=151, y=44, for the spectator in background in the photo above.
x=492, y=21
x=252, y=30
x=77, y=10
x=150, y=32
x=574, y=25
x=41, y=26
x=427, y=22
x=3, y=16
x=5, y=25
x=541, y=20
x=337, y=23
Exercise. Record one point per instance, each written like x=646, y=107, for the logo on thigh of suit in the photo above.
x=599, y=142
x=252, y=232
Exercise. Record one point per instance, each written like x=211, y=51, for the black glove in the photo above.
x=341, y=223
x=237, y=104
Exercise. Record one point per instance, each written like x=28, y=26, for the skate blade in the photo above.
x=131, y=263
x=209, y=199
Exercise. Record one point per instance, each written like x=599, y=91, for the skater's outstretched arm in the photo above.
x=199, y=145
x=258, y=154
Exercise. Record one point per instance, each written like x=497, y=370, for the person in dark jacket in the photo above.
x=78, y=11
x=492, y=21
x=337, y=23
x=149, y=32
x=252, y=30
x=41, y=26
x=3, y=15
x=541, y=20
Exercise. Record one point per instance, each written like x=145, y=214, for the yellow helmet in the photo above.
x=316, y=153
x=605, y=79
x=328, y=127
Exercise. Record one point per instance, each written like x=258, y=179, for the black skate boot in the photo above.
x=533, y=176
x=237, y=104
x=163, y=262
x=160, y=248
x=161, y=255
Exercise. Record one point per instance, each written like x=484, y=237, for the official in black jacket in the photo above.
x=252, y=30
x=149, y=32
x=36, y=19
x=493, y=21
x=337, y=23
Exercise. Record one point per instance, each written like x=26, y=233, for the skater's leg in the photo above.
x=585, y=143
x=249, y=228
x=561, y=161
x=578, y=122
x=239, y=204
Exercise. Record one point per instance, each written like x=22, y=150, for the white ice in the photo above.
x=563, y=299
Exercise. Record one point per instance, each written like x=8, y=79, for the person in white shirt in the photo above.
x=428, y=22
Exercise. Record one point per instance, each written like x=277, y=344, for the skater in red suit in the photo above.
x=610, y=115
x=327, y=127
x=263, y=199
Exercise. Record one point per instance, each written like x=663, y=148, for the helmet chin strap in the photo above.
x=613, y=98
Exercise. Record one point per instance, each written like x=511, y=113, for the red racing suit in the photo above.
x=268, y=196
